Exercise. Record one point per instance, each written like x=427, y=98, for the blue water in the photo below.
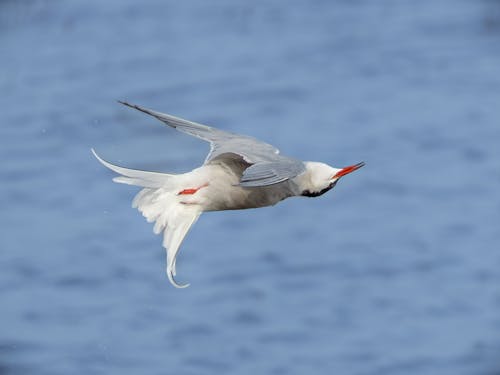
x=396, y=271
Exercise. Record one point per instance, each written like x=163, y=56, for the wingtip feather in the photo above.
x=126, y=103
x=139, y=108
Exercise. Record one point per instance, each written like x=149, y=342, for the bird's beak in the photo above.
x=348, y=170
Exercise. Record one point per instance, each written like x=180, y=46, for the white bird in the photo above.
x=239, y=172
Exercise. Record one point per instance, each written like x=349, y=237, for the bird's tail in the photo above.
x=137, y=177
x=160, y=202
x=164, y=207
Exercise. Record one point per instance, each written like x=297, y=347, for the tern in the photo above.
x=239, y=172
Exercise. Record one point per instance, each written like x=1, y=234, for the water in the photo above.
x=396, y=271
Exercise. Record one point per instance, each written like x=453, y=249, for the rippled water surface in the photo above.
x=396, y=271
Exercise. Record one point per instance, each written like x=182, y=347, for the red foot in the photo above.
x=191, y=191
x=187, y=191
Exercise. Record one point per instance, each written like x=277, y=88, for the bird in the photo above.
x=239, y=172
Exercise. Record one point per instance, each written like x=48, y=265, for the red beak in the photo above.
x=348, y=170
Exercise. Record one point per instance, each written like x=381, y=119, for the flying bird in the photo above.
x=239, y=172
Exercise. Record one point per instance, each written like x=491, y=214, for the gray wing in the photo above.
x=221, y=142
x=266, y=166
x=270, y=173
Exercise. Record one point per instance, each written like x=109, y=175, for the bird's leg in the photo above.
x=191, y=190
x=188, y=194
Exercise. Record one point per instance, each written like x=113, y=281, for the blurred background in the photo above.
x=395, y=271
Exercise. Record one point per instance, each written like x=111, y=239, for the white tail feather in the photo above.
x=159, y=202
x=136, y=177
x=170, y=216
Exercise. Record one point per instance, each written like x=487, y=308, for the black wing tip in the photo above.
x=135, y=106
x=167, y=119
x=139, y=108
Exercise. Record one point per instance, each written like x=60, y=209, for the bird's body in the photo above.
x=215, y=187
x=239, y=172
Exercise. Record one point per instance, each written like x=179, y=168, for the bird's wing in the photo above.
x=270, y=173
x=219, y=139
x=266, y=166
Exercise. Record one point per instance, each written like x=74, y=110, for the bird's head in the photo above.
x=320, y=177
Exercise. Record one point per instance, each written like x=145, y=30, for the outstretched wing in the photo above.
x=220, y=141
x=267, y=166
